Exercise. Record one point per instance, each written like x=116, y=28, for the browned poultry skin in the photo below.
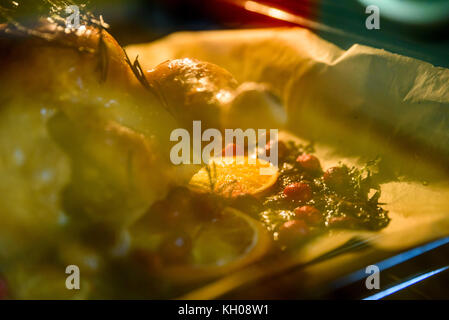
x=84, y=142
x=52, y=56
x=194, y=90
x=73, y=107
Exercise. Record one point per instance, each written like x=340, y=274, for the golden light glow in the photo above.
x=268, y=11
x=283, y=15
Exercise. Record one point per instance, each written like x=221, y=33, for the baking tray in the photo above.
x=355, y=105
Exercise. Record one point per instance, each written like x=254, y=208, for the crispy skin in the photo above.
x=82, y=141
x=194, y=90
x=197, y=90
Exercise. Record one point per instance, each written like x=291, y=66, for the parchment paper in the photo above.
x=355, y=105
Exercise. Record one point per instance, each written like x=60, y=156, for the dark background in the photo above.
x=135, y=21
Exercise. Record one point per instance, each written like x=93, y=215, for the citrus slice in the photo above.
x=234, y=176
x=230, y=242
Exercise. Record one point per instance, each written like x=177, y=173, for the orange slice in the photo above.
x=232, y=242
x=234, y=176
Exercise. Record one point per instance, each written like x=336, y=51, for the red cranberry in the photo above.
x=292, y=232
x=309, y=162
x=309, y=214
x=298, y=191
x=336, y=177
